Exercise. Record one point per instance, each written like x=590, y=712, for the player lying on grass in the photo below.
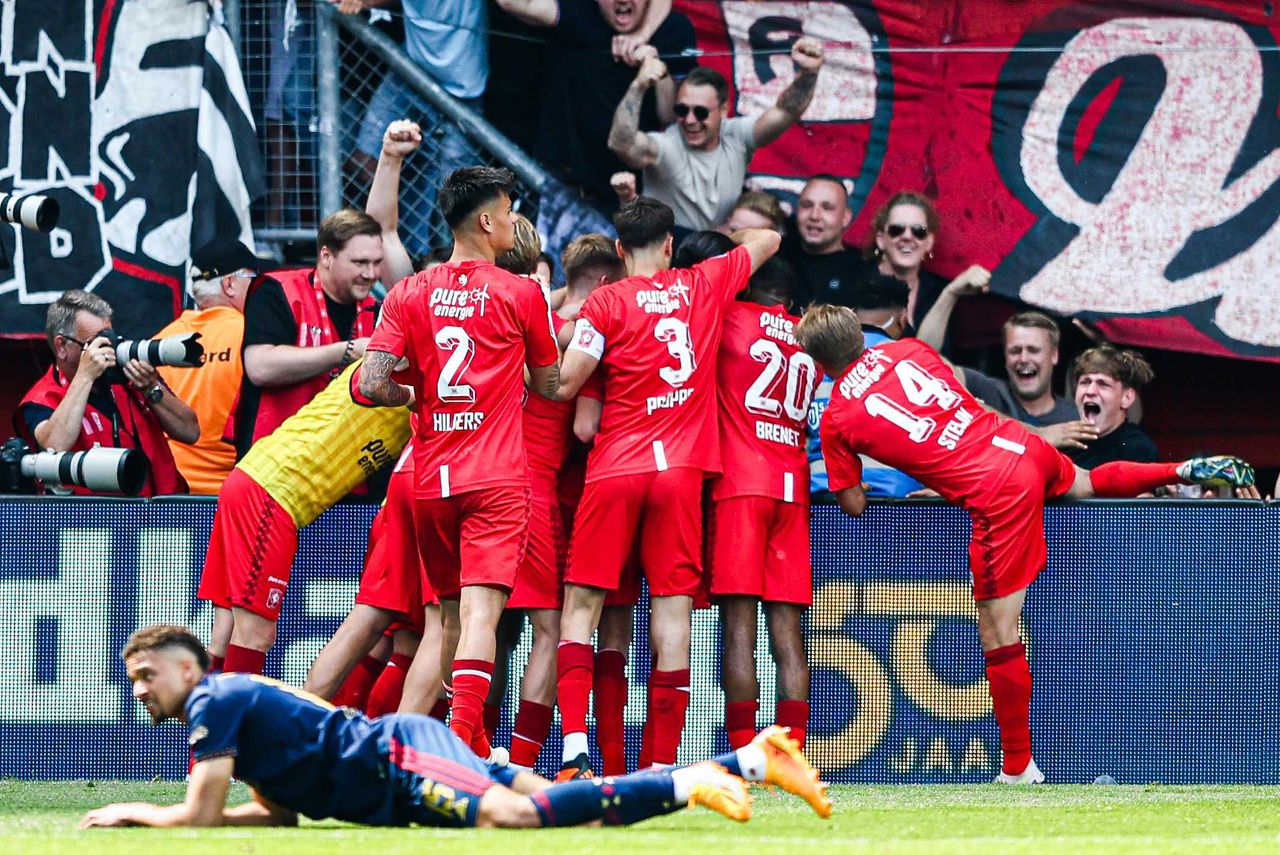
x=900, y=403
x=301, y=755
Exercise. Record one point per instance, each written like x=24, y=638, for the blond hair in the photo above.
x=764, y=204
x=832, y=335
x=522, y=258
x=589, y=251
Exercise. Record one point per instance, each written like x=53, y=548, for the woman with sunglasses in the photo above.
x=904, y=230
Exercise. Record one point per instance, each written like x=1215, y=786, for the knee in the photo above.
x=253, y=631
x=504, y=808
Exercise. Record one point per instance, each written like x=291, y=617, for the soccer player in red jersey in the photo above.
x=902, y=404
x=654, y=335
x=468, y=330
x=759, y=523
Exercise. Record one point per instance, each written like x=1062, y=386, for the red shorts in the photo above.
x=475, y=538
x=250, y=551
x=661, y=512
x=393, y=576
x=1007, y=550
x=759, y=547
x=540, y=581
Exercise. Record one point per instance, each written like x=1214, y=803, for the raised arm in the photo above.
x=535, y=13
x=632, y=146
x=807, y=56
x=401, y=139
x=761, y=244
x=933, y=328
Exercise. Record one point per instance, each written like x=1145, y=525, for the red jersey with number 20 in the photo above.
x=660, y=336
x=764, y=383
x=467, y=330
x=902, y=405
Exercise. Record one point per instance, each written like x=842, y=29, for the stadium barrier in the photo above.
x=1154, y=639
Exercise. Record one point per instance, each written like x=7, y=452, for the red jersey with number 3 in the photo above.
x=764, y=383
x=902, y=405
x=548, y=425
x=660, y=336
x=467, y=330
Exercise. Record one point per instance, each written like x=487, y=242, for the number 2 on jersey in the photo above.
x=800, y=376
x=921, y=389
x=448, y=387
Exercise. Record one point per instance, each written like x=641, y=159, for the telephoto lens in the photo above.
x=102, y=470
x=178, y=351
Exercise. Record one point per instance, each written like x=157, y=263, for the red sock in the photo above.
x=215, y=663
x=740, y=722
x=384, y=697
x=610, y=695
x=1122, y=479
x=244, y=660
x=492, y=718
x=1009, y=677
x=795, y=715
x=573, y=685
x=354, y=691
x=471, y=678
x=533, y=723
x=440, y=711
x=670, y=703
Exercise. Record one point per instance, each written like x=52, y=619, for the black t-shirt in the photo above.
x=830, y=278
x=1126, y=442
x=997, y=395
x=584, y=86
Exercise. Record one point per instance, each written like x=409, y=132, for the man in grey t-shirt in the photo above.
x=697, y=166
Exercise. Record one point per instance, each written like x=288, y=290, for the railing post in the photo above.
x=329, y=168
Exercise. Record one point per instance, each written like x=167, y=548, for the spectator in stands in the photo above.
x=302, y=327
x=77, y=404
x=1030, y=354
x=221, y=271
x=881, y=305
x=827, y=269
x=755, y=210
x=401, y=138
x=904, y=230
x=698, y=165
x=1106, y=380
x=594, y=45
x=448, y=40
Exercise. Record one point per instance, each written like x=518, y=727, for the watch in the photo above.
x=155, y=393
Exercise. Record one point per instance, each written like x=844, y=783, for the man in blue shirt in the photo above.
x=301, y=755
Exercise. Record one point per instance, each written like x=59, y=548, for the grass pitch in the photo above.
x=39, y=817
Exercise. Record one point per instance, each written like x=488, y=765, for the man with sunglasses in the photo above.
x=72, y=408
x=698, y=165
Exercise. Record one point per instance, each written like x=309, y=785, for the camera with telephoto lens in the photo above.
x=178, y=351
x=102, y=470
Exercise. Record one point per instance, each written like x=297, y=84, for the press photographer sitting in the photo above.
x=77, y=404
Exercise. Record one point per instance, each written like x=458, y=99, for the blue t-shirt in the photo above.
x=448, y=39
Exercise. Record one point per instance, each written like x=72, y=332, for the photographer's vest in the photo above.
x=306, y=300
x=135, y=427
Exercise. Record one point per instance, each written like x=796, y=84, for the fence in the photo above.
x=1154, y=638
x=325, y=86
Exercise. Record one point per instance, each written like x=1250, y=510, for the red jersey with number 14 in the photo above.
x=467, y=330
x=902, y=405
x=764, y=383
x=660, y=335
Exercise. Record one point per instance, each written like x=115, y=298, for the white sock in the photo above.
x=686, y=777
x=574, y=744
x=751, y=761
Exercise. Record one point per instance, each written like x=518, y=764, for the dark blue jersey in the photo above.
x=304, y=754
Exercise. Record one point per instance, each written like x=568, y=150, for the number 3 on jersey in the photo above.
x=801, y=373
x=675, y=334
x=922, y=389
x=449, y=388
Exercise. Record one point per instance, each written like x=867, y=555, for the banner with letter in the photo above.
x=1148, y=641
x=1114, y=161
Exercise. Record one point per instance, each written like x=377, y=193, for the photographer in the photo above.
x=77, y=404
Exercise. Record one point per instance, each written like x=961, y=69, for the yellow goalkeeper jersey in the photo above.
x=325, y=449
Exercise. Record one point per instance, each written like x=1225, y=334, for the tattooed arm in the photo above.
x=376, y=383
x=626, y=140
x=806, y=54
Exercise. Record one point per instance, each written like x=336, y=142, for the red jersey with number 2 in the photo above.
x=660, y=335
x=764, y=384
x=467, y=330
x=902, y=405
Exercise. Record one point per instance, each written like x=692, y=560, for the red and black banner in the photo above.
x=1113, y=161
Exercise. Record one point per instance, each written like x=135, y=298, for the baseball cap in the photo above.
x=224, y=255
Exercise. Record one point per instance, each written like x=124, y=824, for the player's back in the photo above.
x=465, y=328
x=764, y=384
x=661, y=334
x=294, y=748
x=901, y=404
x=548, y=425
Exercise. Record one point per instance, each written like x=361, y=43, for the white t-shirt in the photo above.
x=701, y=186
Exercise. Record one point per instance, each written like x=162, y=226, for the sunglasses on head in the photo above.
x=917, y=231
x=700, y=113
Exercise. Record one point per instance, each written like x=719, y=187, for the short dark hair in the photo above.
x=469, y=189
x=166, y=635
x=833, y=179
x=699, y=246
x=643, y=221
x=879, y=291
x=341, y=226
x=775, y=275
x=703, y=75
